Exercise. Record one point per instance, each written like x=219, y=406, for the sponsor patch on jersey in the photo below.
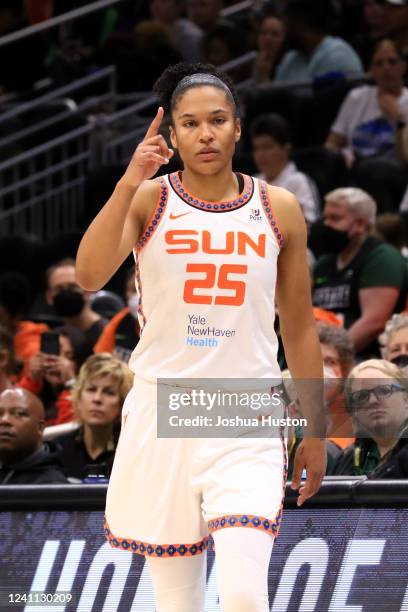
x=255, y=215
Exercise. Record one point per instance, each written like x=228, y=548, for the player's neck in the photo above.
x=214, y=187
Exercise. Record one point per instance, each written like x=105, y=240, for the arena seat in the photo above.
x=326, y=168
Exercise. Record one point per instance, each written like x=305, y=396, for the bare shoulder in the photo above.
x=145, y=200
x=288, y=212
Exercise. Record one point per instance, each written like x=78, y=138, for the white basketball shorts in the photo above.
x=166, y=495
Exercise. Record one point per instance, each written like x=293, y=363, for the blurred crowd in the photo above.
x=293, y=40
x=63, y=351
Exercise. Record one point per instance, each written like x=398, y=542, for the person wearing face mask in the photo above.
x=338, y=357
x=394, y=341
x=359, y=277
x=71, y=303
x=121, y=334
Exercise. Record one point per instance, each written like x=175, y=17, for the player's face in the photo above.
x=205, y=130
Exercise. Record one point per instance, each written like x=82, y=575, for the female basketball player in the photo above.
x=212, y=249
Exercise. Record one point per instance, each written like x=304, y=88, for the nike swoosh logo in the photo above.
x=181, y=215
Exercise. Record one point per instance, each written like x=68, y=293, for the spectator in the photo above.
x=396, y=22
x=205, y=13
x=270, y=41
x=37, y=11
x=271, y=146
x=371, y=118
x=372, y=30
x=223, y=43
x=404, y=204
x=377, y=397
x=360, y=278
x=338, y=356
x=390, y=227
x=24, y=457
x=394, y=340
x=186, y=37
x=98, y=396
x=295, y=434
x=51, y=377
x=28, y=54
x=7, y=359
x=15, y=300
x=71, y=303
x=149, y=47
x=403, y=207
x=313, y=52
x=121, y=334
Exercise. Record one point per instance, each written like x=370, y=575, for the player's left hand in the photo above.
x=312, y=455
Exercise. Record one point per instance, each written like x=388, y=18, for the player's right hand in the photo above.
x=311, y=455
x=149, y=155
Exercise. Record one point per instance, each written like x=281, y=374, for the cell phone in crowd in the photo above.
x=50, y=343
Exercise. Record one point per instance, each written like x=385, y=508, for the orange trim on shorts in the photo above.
x=156, y=216
x=155, y=550
x=252, y=520
x=267, y=206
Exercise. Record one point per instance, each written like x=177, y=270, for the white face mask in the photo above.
x=133, y=303
x=328, y=372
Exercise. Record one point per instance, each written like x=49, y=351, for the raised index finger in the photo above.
x=155, y=124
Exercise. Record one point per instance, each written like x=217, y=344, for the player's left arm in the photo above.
x=300, y=340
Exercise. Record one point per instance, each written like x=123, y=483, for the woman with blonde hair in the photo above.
x=97, y=397
x=394, y=340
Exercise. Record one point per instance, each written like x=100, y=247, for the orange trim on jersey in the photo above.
x=139, y=291
x=155, y=550
x=267, y=206
x=156, y=216
x=221, y=206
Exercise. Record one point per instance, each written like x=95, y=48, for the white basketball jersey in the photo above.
x=205, y=278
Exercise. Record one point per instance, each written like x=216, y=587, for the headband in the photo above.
x=197, y=79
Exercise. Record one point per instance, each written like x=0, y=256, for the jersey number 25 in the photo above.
x=211, y=280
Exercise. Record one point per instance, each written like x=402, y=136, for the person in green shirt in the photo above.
x=357, y=276
x=377, y=397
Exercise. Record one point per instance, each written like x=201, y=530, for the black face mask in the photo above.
x=324, y=239
x=68, y=303
x=401, y=361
